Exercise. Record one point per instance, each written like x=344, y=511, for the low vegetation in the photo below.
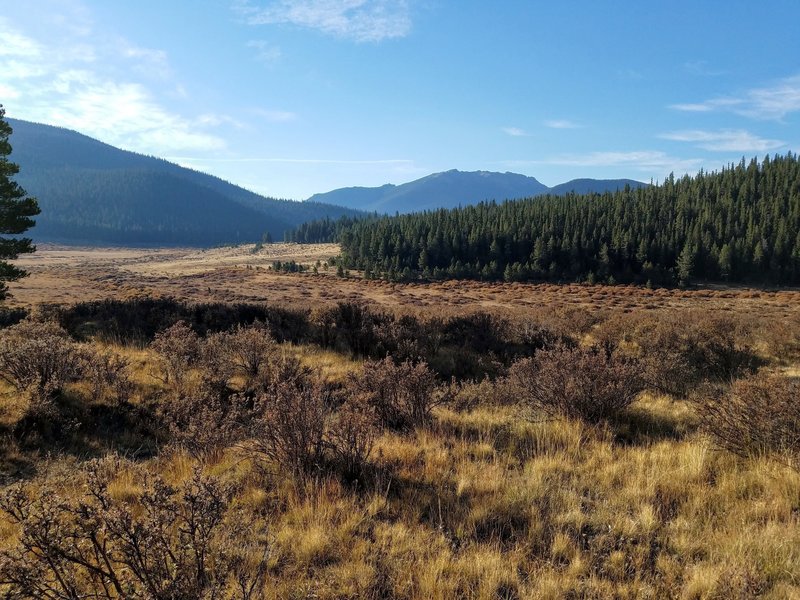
x=152, y=449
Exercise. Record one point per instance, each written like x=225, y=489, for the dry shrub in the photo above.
x=760, y=415
x=680, y=352
x=293, y=426
x=210, y=417
x=38, y=358
x=468, y=395
x=588, y=384
x=289, y=423
x=202, y=422
x=216, y=368
x=403, y=395
x=782, y=337
x=246, y=352
x=351, y=435
x=178, y=349
x=161, y=542
x=108, y=375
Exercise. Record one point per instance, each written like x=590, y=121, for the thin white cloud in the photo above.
x=561, y=124
x=515, y=132
x=298, y=161
x=217, y=120
x=357, y=20
x=702, y=68
x=651, y=161
x=772, y=102
x=276, y=116
x=265, y=52
x=630, y=74
x=692, y=107
x=726, y=140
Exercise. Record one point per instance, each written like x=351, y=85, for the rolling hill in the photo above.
x=451, y=189
x=93, y=193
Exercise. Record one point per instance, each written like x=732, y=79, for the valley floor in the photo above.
x=61, y=274
x=485, y=497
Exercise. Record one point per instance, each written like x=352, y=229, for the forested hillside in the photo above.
x=93, y=193
x=739, y=224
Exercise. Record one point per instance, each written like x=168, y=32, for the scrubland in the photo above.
x=153, y=448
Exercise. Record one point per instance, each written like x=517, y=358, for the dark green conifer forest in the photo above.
x=740, y=224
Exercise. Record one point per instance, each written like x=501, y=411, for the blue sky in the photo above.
x=293, y=97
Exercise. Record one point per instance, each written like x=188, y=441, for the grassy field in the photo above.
x=483, y=496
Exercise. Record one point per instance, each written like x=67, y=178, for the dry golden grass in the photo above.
x=486, y=504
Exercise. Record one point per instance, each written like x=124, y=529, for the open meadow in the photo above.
x=61, y=274
x=178, y=423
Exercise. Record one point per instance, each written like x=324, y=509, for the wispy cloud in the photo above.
x=266, y=53
x=147, y=61
x=65, y=80
x=515, y=132
x=771, y=102
x=357, y=20
x=15, y=44
x=124, y=114
x=561, y=124
x=726, y=140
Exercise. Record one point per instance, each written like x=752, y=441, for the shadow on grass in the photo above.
x=74, y=428
x=641, y=426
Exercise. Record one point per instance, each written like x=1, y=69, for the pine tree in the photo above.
x=686, y=264
x=16, y=210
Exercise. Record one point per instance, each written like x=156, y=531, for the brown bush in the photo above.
x=163, y=543
x=782, y=337
x=202, y=422
x=250, y=351
x=38, y=358
x=289, y=423
x=403, y=395
x=759, y=415
x=682, y=351
x=589, y=384
x=108, y=374
x=216, y=367
x=351, y=434
x=178, y=349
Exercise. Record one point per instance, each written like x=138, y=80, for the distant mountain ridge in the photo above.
x=93, y=193
x=454, y=188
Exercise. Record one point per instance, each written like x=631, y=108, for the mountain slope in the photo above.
x=440, y=190
x=94, y=193
x=458, y=188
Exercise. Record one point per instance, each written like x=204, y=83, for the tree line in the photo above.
x=323, y=231
x=739, y=224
